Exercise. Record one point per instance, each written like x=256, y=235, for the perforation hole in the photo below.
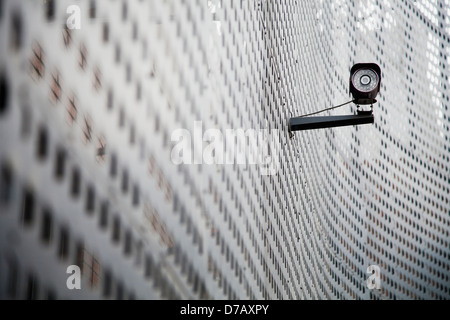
x=60, y=162
x=28, y=208
x=104, y=215
x=16, y=31
x=50, y=10
x=76, y=182
x=42, y=143
x=6, y=181
x=47, y=226
x=90, y=199
x=4, y=94
x=116, y=230
x=32, y=289
x=63, y=250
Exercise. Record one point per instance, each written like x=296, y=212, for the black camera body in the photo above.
x=365, y=82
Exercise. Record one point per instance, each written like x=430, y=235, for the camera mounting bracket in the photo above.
x=309, y=123
x=365, y=83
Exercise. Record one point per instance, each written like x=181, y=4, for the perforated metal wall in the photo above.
x=86, y=120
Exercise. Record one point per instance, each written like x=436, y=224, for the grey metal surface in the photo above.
x=85, y=144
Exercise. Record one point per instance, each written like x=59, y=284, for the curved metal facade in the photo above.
x=92, y=92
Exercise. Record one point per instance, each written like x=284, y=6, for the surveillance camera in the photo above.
x=365, y=80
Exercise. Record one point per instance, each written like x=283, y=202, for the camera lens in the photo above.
x=365, y=80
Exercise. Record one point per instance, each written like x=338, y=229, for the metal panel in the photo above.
x=87, y=178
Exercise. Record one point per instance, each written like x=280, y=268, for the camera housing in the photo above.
x=365, y=81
